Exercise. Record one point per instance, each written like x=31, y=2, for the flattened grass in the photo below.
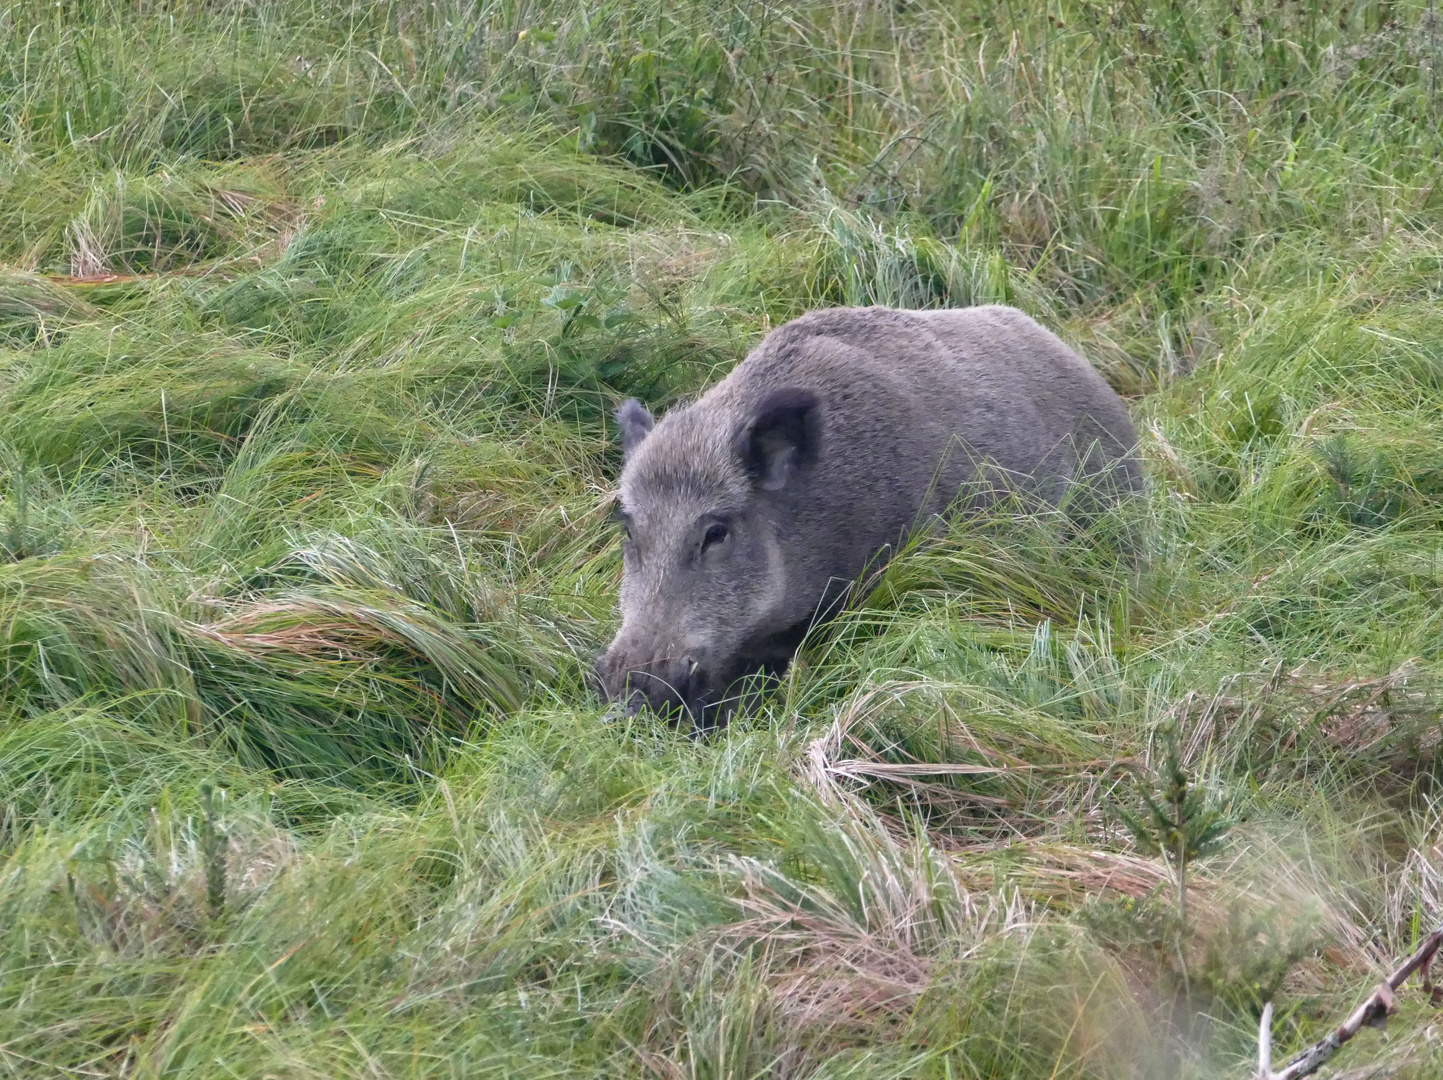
x=310, y=319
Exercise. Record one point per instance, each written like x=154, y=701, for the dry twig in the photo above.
x=1372, y=1013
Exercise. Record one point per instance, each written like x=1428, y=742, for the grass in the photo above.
x=311, y=314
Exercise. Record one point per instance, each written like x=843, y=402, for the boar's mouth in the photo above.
x=705, y=695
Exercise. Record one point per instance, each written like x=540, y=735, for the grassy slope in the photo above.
x=310, y=315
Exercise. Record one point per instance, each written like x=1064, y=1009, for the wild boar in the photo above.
x=749, y=514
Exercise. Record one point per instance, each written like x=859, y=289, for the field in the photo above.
x=311, y=317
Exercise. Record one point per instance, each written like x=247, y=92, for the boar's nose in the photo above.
x=596, y=677
x=667, y=686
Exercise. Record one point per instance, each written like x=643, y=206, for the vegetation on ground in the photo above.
x=311, y=316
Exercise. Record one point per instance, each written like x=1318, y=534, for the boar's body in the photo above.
x=751, y=511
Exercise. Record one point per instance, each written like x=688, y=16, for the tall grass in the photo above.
x=311, y=315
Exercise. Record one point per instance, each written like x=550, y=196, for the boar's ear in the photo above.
x=635, y=423
x=781, y=438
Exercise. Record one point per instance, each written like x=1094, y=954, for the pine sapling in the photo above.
x=1175, y=819
x=212, y=848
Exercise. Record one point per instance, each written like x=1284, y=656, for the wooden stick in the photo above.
x=1372, y=1013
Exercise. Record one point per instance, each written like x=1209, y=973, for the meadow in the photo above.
x=312, y=313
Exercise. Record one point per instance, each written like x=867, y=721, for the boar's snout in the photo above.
x=670, y=686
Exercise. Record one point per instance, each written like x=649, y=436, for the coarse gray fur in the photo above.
x=749, y=512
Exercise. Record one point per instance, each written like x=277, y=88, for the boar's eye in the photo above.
x=621, y=518
x=716, y=532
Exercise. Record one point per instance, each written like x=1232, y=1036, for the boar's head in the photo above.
x=710, y=591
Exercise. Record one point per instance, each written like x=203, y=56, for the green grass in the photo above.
x=311, y=314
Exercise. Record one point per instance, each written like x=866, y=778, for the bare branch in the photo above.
x=1265, y=1043
x=1373, y=1012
